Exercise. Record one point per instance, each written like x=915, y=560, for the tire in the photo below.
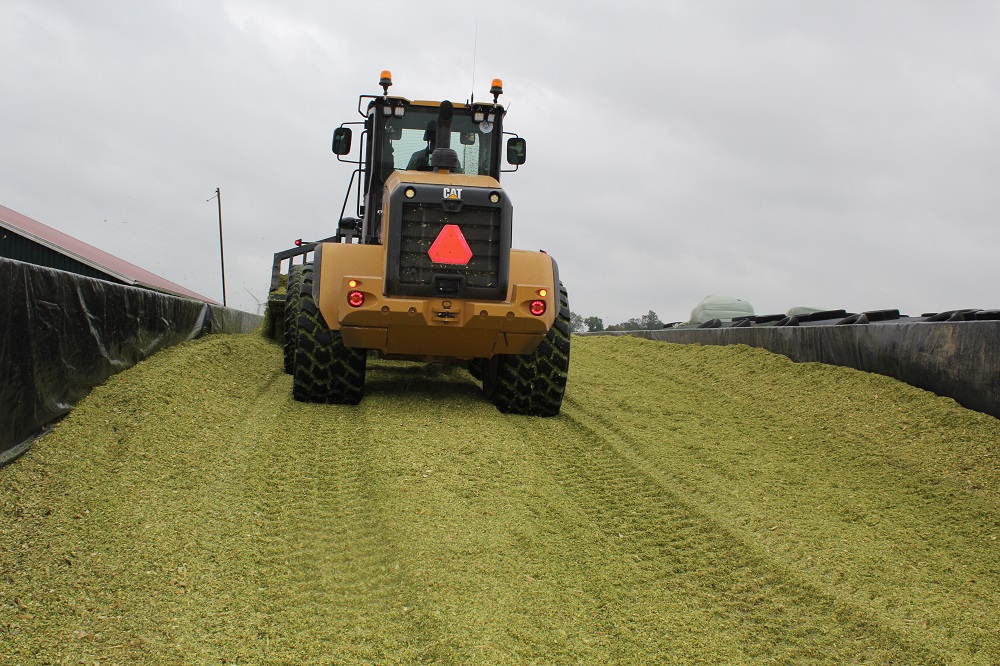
x=477, y=368
x=324, y=369
x=290, y=334
x=533, y=384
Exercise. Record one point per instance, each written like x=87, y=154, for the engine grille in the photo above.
x=421, y=225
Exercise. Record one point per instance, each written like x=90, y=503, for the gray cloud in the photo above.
x=839, y=154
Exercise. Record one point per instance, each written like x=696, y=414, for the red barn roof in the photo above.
x=116, y=269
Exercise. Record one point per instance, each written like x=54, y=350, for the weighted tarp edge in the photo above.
x=61, y=334
x=959, y=360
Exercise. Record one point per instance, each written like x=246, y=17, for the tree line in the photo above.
x=581, y=324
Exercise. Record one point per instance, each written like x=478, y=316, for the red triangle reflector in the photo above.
x=450, y=247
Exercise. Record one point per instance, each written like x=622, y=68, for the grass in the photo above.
x=690, y=505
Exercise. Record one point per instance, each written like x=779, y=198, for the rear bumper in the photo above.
x=434, y=328
x=445, y=328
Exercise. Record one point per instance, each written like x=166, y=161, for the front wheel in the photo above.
x=534, y=383
x=290, y=329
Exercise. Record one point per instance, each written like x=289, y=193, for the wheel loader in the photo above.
x=423, y=268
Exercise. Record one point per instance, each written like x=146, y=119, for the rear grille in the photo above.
x=421, y=225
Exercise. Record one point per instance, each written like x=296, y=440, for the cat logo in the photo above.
x=453, y=193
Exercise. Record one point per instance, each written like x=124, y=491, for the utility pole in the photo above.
x=222, y=251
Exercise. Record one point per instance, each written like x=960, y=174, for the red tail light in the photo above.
x=355, y=299
x=537, y=308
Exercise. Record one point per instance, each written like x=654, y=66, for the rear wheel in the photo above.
x=290, y=333
x=477, y=368
x=533, y=383
x=324, y=369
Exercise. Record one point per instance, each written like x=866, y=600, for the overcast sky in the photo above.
x=838, y=154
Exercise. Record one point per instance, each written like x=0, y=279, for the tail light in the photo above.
x=537, y=308
x=355, y=299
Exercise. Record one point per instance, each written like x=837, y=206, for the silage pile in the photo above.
x=691, y=503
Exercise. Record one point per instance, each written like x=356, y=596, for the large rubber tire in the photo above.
x=290, y=333
x=533, y=384
x=477, y=368
x=324, y=370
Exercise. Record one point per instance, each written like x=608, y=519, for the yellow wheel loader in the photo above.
x=425, y=270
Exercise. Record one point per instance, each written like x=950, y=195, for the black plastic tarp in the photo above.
x=61, y=334
x=957, y=359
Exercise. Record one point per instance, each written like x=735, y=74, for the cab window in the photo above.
x=409, y=142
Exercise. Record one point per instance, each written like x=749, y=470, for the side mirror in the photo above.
x=516, y=151
x=342, y=140
x=467, y=138
x=394, y=133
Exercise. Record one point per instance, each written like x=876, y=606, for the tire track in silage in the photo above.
x=338, y=585
x=685, y=559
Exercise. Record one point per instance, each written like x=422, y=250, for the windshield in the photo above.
x=409, y=142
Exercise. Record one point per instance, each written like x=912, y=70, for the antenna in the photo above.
x=475, y=46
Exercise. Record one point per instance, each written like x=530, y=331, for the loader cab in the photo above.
x=406, y=143
x=400, y=135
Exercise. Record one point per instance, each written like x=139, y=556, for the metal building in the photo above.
x=30, y=241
